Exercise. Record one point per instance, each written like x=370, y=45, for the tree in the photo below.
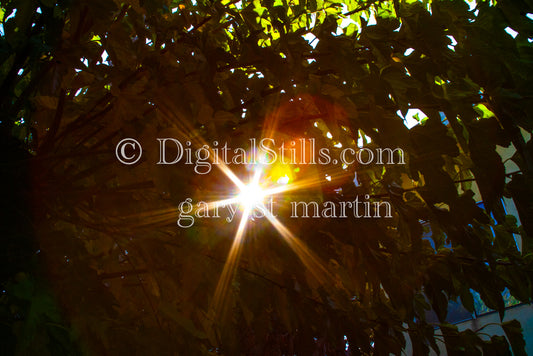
x=79, y=76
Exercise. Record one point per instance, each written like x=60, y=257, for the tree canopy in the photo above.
x=94, y=261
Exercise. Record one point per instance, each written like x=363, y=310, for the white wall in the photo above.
x=523, y=313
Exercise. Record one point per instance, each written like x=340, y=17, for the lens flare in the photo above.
x=251, y=196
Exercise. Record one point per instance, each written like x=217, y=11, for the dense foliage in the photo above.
x=92, y=259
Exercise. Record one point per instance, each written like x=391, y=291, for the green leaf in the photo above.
x=513, y=331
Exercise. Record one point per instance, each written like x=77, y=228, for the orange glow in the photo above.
x=278, y=179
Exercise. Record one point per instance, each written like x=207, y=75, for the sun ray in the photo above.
x=148, y=218
x=251, y=196
x=230, y=266
x=308, y=258
x=229, y=173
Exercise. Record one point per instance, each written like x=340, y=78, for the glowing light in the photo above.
x=283, y=180
x=251, y=196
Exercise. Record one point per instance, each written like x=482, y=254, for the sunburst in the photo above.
x=249, y=197
x=252, y=195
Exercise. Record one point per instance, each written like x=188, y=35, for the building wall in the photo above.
x=523, y=313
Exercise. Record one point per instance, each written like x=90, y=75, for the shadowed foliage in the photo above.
x=93, y=261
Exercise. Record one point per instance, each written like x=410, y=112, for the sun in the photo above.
x=251, y=196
